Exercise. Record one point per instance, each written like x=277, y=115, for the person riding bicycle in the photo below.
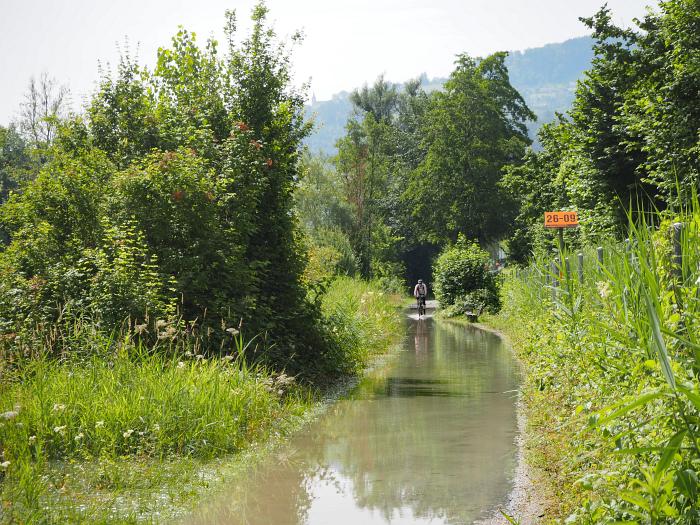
x=420, y=291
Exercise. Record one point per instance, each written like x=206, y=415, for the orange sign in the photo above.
x=560, y=219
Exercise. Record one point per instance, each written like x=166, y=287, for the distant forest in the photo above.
x=545, y=76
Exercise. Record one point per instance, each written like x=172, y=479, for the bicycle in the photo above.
x=421, y=305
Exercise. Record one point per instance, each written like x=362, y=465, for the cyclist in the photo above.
x=420, y=291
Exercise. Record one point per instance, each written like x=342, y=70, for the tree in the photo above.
x=14, y=160
x=180, y=181
x=45, y=103
x=471, y=131
x=630, y=142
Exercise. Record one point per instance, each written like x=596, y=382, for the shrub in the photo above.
x=463, y=279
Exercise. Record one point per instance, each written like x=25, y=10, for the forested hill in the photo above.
x=546, y=76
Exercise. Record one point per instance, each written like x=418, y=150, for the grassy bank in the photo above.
x=611, y=391
x=128, y=434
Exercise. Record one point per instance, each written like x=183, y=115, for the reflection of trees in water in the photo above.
x=434, y=438
x=432, y=453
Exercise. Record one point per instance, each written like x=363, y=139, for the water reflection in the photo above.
x=429, y=440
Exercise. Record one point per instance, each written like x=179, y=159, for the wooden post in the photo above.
x=561, y=240
x=567, y=273
x=555, y=280
x=677, y=231
x=600, y=256
x=580, y=267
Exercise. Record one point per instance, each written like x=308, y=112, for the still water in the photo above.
x=428, y=439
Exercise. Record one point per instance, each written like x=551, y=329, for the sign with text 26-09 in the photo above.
x=560, y=219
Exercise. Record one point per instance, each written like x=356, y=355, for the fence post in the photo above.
x=567, y=274
x=600, y=256
x=580, y=267
x=555, y=279
x=677, y=261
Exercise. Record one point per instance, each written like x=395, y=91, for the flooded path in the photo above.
x=429, y=439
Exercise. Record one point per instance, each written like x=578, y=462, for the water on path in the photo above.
x=430, y=439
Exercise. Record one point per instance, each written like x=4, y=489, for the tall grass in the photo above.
x=133, y=404
x=363, y=321
x=613, y=366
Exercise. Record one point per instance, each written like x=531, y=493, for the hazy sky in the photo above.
x=348, y=42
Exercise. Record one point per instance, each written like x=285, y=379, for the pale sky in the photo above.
x=348, y=42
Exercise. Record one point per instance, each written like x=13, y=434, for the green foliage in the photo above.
x=124, y=279
x=364, y=320
x=630, y=140
x=179, y=184
x=612, y=374
x=471, y=131
x=382, y=143
x=14, y=161
x=463, y=279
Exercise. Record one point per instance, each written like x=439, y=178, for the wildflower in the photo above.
x=604, y=289
x=99, y=424
x=242, y=126
x=188, y=354
x=199, y=356
x=256, y=144
x=269, y=163
x=156, y=428
x=180, y=364
x=232, y=331
x=32, y=440
x=160, y=323
x=79, y=436
x=227, y=358
x=57, y=407
x=60, y=430
x=141, y=328
x=9, y=415
x=127, y=434
x=5, y=464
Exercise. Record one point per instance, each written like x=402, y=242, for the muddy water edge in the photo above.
x=430, y=438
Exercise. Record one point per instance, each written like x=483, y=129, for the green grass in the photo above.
x=612, y=384
x=121, y=433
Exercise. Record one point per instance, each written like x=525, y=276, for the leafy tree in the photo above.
x=15, y=160
x=471, y=131
x=364, y=164
x=179, y=183
x=661, y=109
x=320, y=200
x=630, y=141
